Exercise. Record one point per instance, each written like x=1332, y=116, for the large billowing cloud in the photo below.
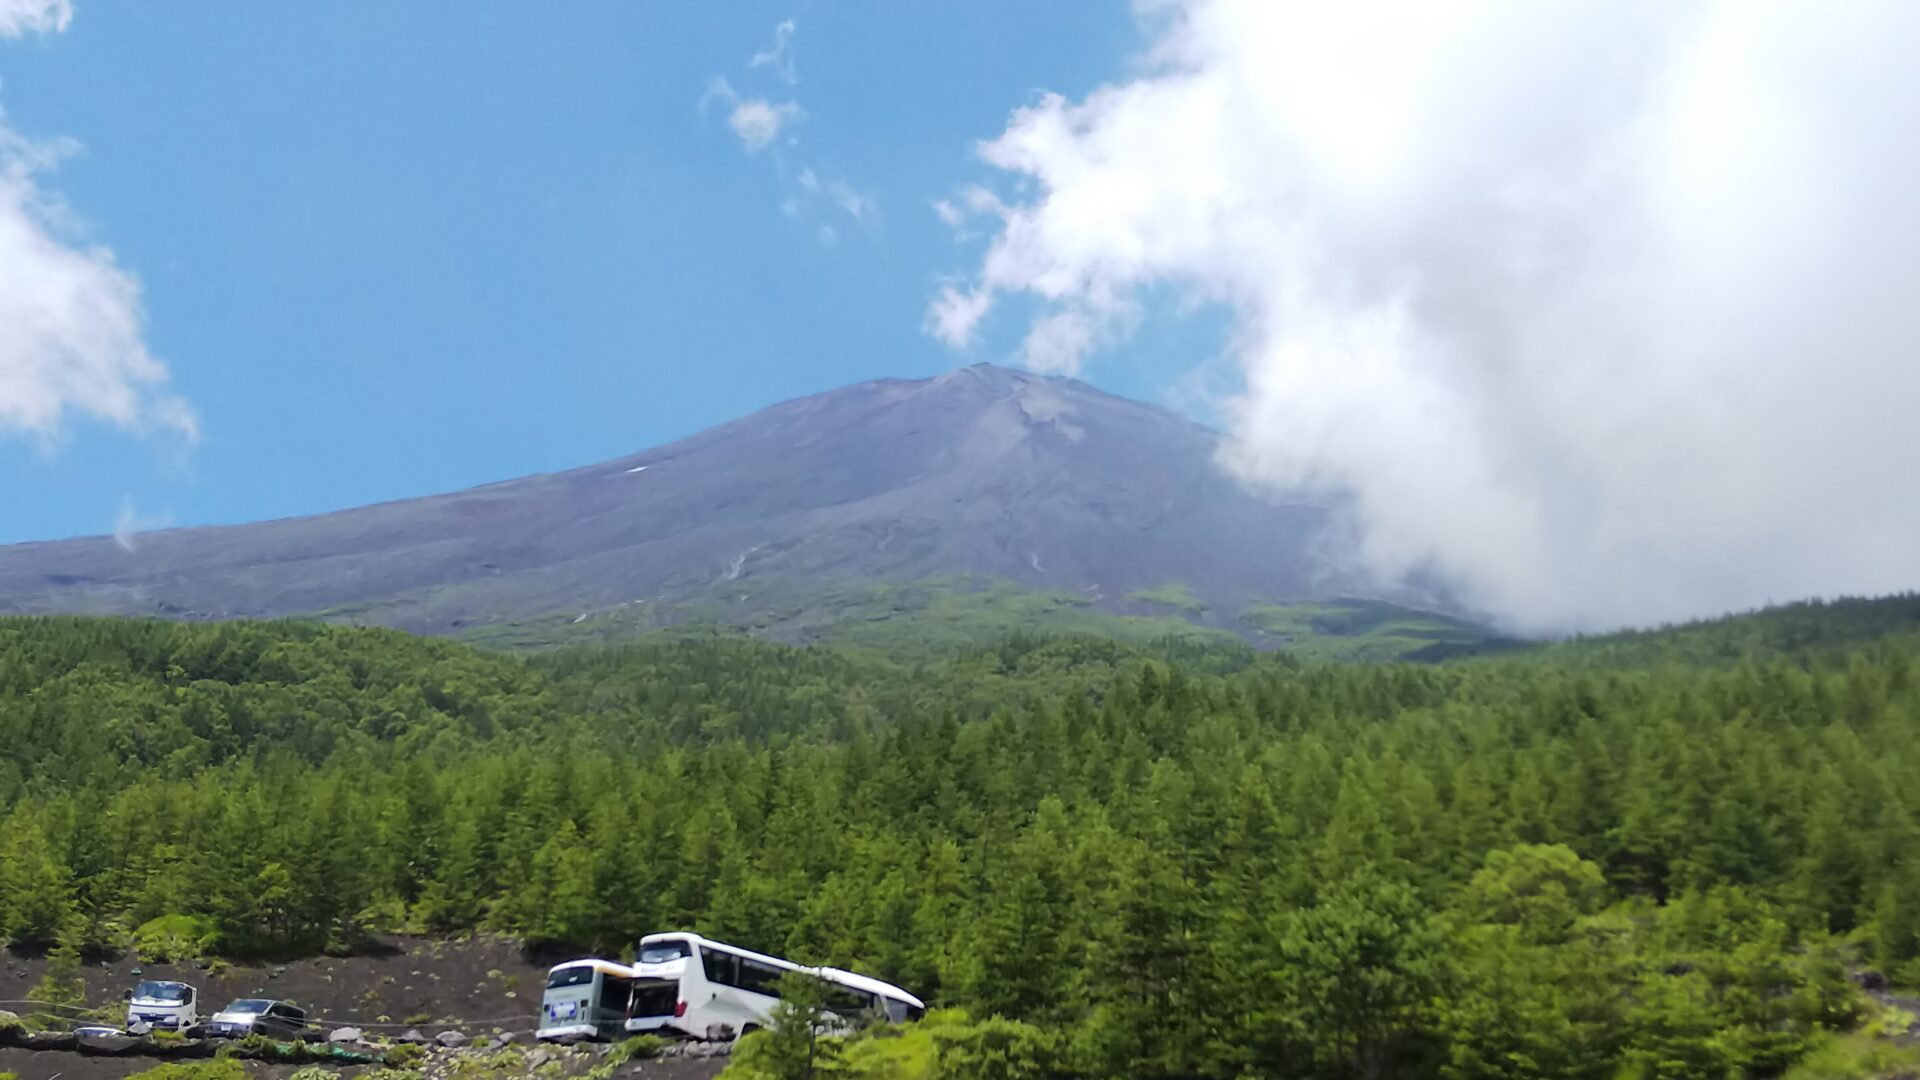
x=71, y=327
x=1602, y=311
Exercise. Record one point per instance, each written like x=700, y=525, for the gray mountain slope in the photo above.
x=982, y=472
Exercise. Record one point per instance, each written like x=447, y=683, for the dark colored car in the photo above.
x=259, y=1016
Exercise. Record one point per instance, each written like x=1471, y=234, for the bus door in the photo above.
x=655, y=1004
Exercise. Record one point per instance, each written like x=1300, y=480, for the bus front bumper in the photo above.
x=568, y=1031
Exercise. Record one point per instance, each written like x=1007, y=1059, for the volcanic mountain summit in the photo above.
x=980, y=475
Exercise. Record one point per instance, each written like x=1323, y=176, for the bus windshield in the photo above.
x=660, y=952
x=574, y=976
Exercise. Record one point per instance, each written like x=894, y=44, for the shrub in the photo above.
x=1856, y=1055
x=638, y=1048
x=175, y=939
x=216, y=1069
x=404, y=1056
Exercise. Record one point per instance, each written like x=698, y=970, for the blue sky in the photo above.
x=393, y=249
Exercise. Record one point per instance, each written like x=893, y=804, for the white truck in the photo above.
x=163, y=1005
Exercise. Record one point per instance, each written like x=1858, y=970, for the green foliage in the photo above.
x=1366, y=630
x=403, y=1056
x=214, y=1069
x=1150, y=860
x=637, y=1048
x=61, y=986
x=798, y=1045
x=947, y=1045
x=1174, y=595
x=1349, y=980
x=175, y=939
x=1856, y=1057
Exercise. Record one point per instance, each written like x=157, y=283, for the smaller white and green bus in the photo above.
x=586, y=999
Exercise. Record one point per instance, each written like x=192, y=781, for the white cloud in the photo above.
x=1601, y=310
x=71, y=326
x=1058, y=343
x=758, y=122
x=778, y=57
x=21, y=17
x=955, y=314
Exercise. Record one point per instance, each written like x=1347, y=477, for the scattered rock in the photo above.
x=508, y=1037
x=276, y=973
x=452, y=1040
x=1870, y=980
x=99, y=1042
x=537, y=1059
x=346, y=1035
x=412, y=1036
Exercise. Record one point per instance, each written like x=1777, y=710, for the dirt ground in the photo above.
x=479, y=986
x=54, y=1065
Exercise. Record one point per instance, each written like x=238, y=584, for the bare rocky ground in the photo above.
x=440, y=1064
x=479, y=986
x=480, y=989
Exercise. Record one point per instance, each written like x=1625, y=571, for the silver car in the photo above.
x=259, y=1016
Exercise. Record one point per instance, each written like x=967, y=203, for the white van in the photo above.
x=169, y=1006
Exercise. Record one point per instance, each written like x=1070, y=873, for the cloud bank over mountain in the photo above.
x=1599, y=311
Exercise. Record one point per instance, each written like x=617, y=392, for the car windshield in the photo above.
x=574, y=976
x=161, y=991
x=250, y=1005
x=660, y=952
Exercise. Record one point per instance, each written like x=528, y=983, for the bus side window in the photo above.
x=760, y=978
x=847, y=1001
x=722, y=968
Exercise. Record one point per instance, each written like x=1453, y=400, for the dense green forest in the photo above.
x=1605, y=858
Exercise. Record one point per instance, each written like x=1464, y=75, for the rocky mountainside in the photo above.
x=983, y=475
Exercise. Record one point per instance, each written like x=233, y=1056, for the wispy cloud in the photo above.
x=130, y=522
x=757, y=122
x=21, y=17
x=72, y=331
x=779, y=58
x=813, y=198
x=840, y=195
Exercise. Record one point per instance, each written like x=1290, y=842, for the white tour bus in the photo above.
x=684, y=984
